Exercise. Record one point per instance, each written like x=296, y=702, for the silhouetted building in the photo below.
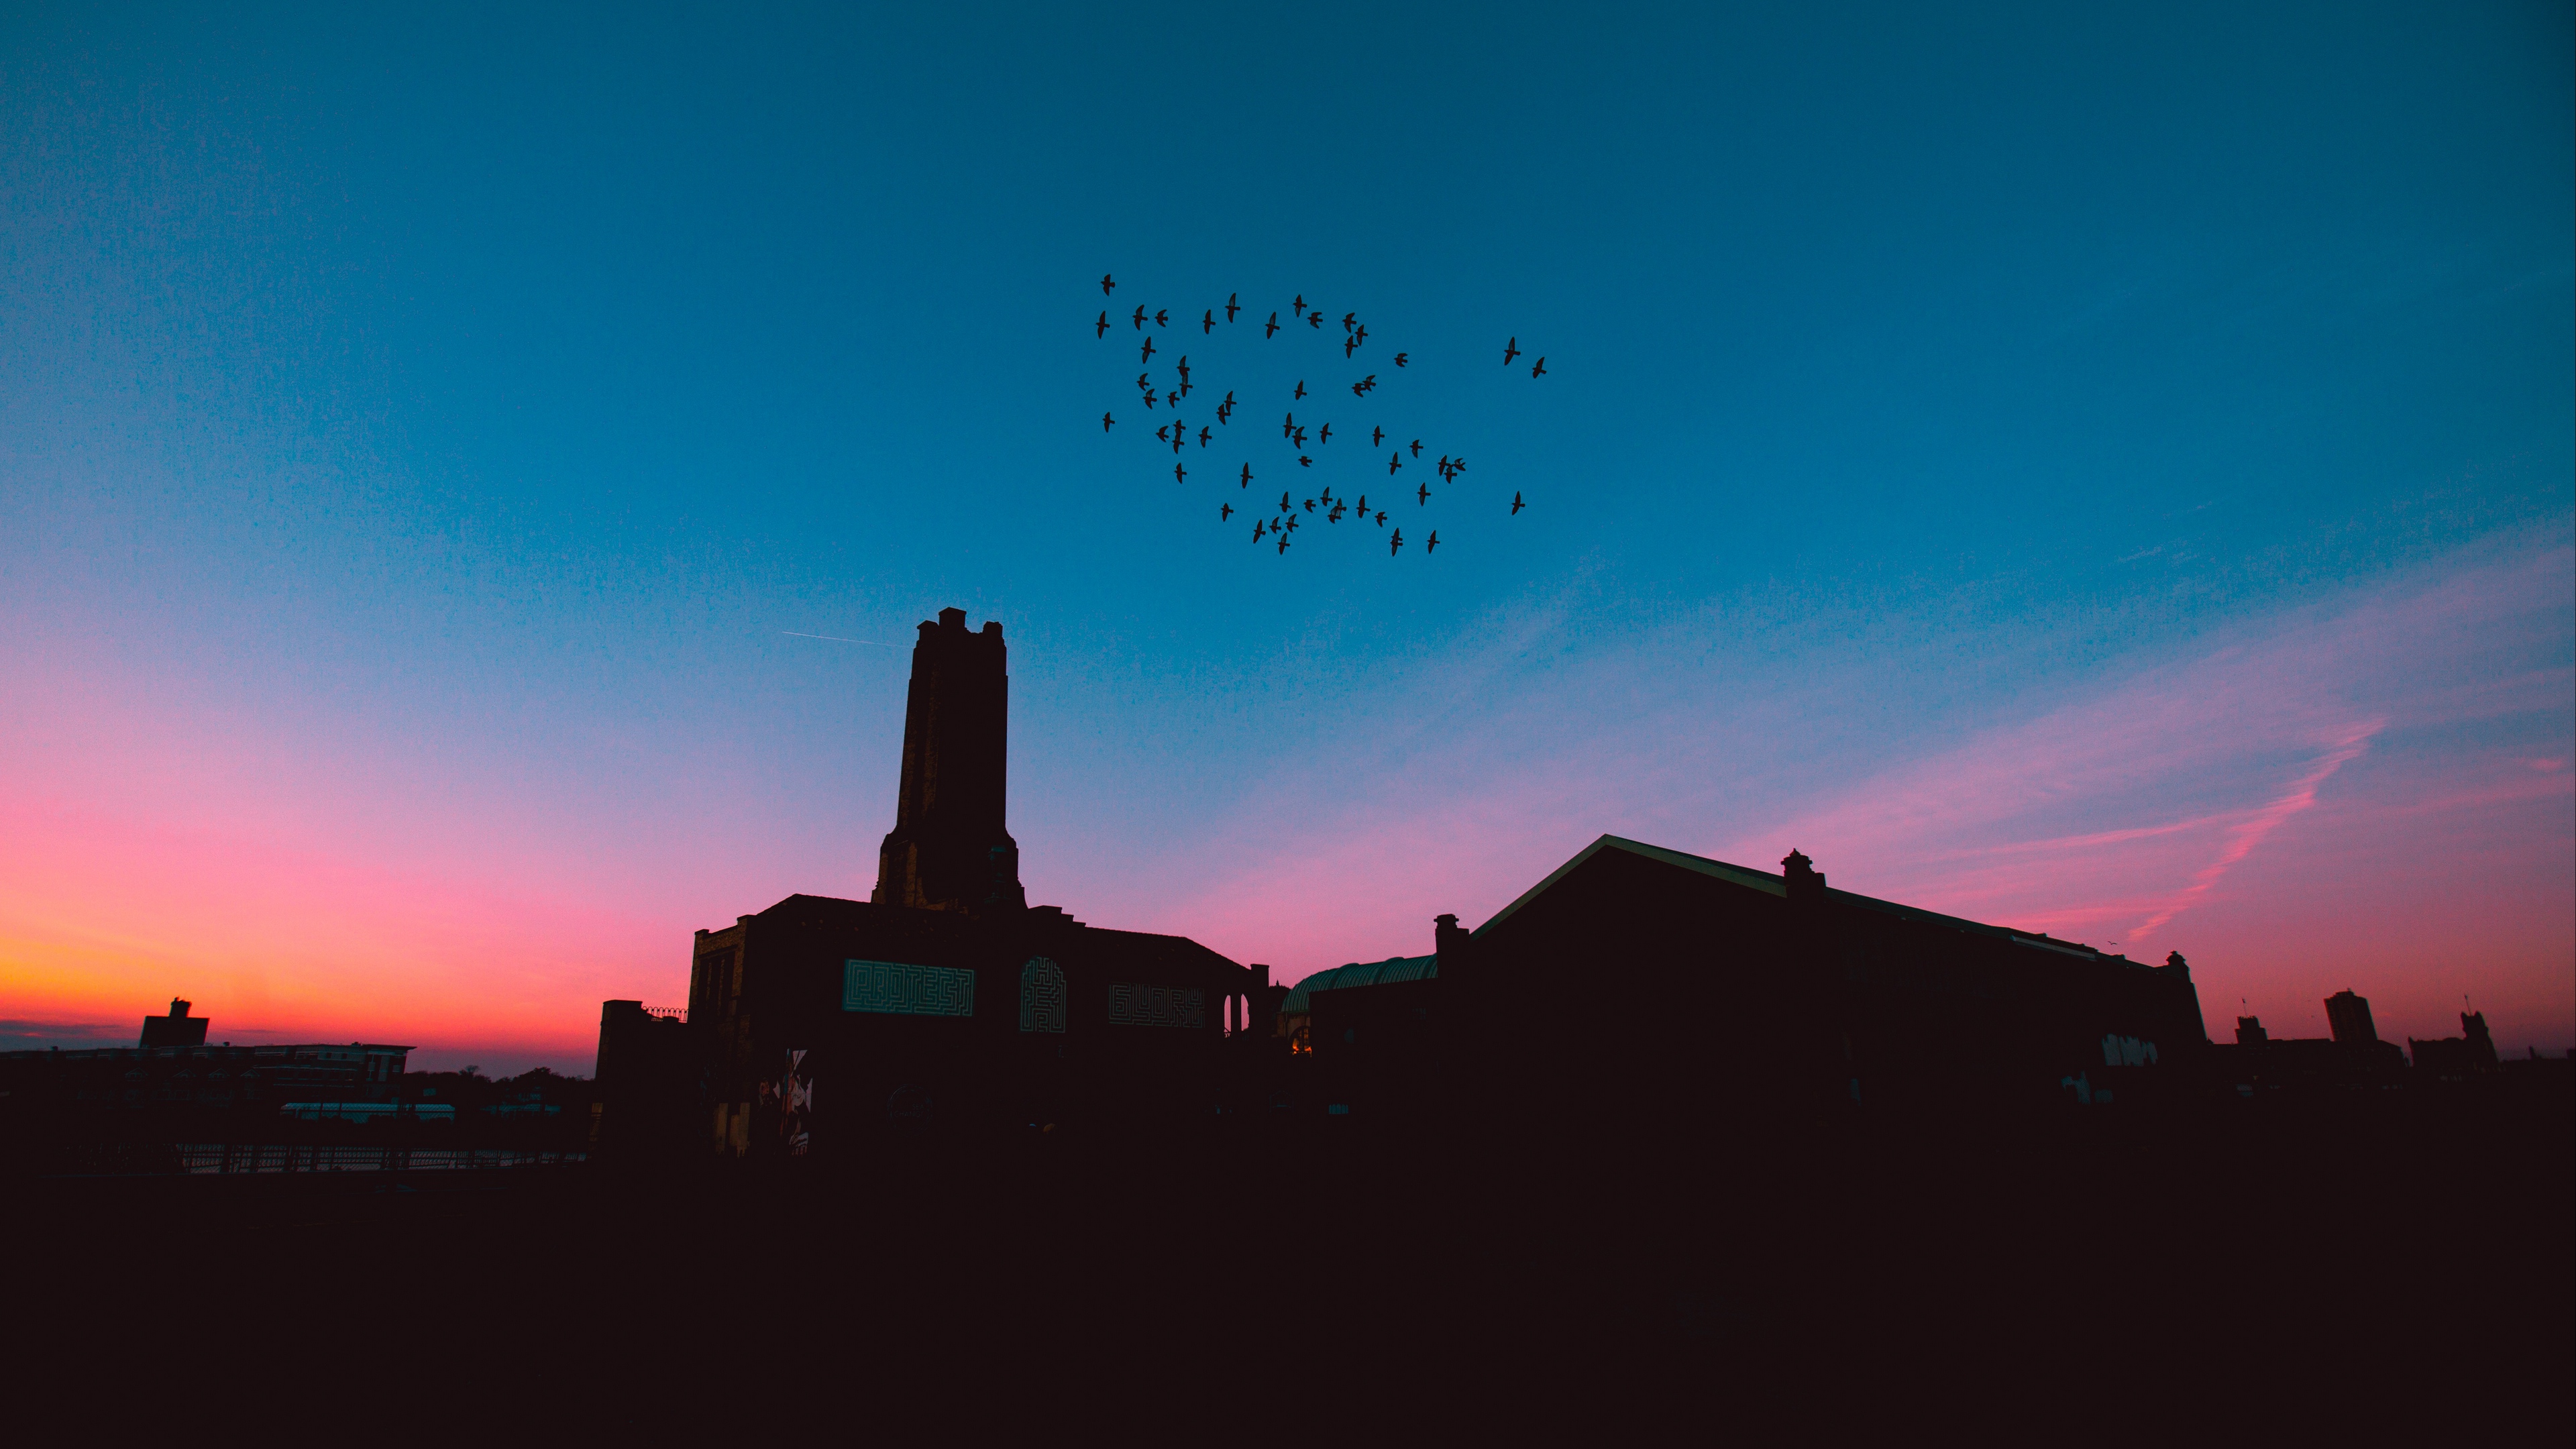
x=178, y=1029
x=948, y=850
x=943, y=999
x=2458, y=1058
x=198, y=1078
x=2348, y=1017
x=1640, y=985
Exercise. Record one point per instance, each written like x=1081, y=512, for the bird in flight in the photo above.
x=1180, y=474
x=1106, y=286
x=1260, y=526
x=1273, y=327
x=1539, y=368
x=1163, y=317
x=1310, y=505
x=1393, y=462
x=1283, y=500
x=1247, y=477
x=1207, y=322
x=1350, y=345
x=1300, y=438
x=1363, y=505
x=1399, y=358
x=1183, y=367
x=1224, y=513
x=1299, y=304
x=1104, y=325
x=1457, y=466
x=1362, y=334
x=1148, y=352
x=1149, y=397
x=1305, y=462
x=1204, y=435
x=1377, y=437
x=1300, y=394
x=1444, y=467
x=1230, y=307
x=1106, y=421
x=1139, y=318
x=1348, y=318
x=1511, y=350
x=1315, y=320
x=1180, y=435
x=1381, y=518
x=1336, y=515
x=1326, y=435
x=1417, y=447
x=1395, y=543
x=1283, y=543
x=1517, y=505
x=1171, y=399
x=1432, y=542
x=1422, y=494
x=1163, y=433
x=1288, y=428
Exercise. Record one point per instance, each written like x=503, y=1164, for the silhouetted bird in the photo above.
x=1517, y=505
x=1300, y=394
x=1180, y=435
x=1163, y=434
x=1417, y=447
x=1180, y=474
x=1335, y=516
x=1511, y=350
x=1224, y=513
x=1260, y=526
x=1207, y=322
x=1539, y=368
x=1457, y=466
x=1299, y=304
x=1139, y=318
x=1247, y=477
x=1288, y=427
x=1315, y=320
x=1362, y=334
x=1183, y=367
x=1310, y=505
x=1432, y=542
x=1377, y=437
x=1171, y=397
x=1106, y=421
x=1283, y=543
x=1394, y=543
x=1348, y=318
x=1305, y=462
x=1107, y=286
x=1292, y=520
x=1149, y=399
x=1349, y=346
x=1273, y=327
x=1163, y=317
x=1422, y=494
x=1104, y=326
x=1363, y=505
x=1230, y=307
x=1148, y=352
x=1393, y=462
x=1283, y=500
x=1326, y=435
x=1381, y=518
x=1204, y=435
x=1444, y=467
x=1145, y=380
x=1399, y=358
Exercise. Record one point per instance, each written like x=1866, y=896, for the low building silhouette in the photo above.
x=2352, y=1059
x=2470, y=1055
x=178, y=1029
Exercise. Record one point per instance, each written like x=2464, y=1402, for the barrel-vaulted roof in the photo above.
x=1359, y=973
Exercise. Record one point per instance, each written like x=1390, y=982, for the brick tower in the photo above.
x=948, y=850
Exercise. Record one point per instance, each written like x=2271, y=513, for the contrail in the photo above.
x=835, y=638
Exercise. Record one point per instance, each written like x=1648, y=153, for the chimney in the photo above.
x=1799, y=874
x=178, y=1029
x=2250, y=1032
x=1451, y=943
x=948, y=850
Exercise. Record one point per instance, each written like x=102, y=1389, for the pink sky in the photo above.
x=2373, y=791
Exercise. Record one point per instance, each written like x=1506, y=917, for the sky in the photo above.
x=2108, y=470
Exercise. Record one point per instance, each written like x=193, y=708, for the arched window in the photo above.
x=1041, y=996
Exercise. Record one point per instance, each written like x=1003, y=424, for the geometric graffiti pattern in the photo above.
x=1041, y=996
x=899, y=989
x=1139, y=1005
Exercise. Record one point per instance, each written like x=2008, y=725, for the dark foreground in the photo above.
x=2374, y=1275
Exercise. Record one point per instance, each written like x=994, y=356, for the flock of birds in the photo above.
x=1278, y=527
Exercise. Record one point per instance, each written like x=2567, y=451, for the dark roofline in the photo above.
x=1771, y=884
x=1055, y=914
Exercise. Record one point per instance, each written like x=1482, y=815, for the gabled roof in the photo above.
x=1770, y=884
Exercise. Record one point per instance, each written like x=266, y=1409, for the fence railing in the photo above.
x=226, y=1157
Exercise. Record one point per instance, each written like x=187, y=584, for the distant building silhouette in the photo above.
x=943, y=998
x=178, y=1029
x=2458, y=1058
x=2348, y=1016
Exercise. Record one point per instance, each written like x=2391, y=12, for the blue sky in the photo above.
x=420, y=431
